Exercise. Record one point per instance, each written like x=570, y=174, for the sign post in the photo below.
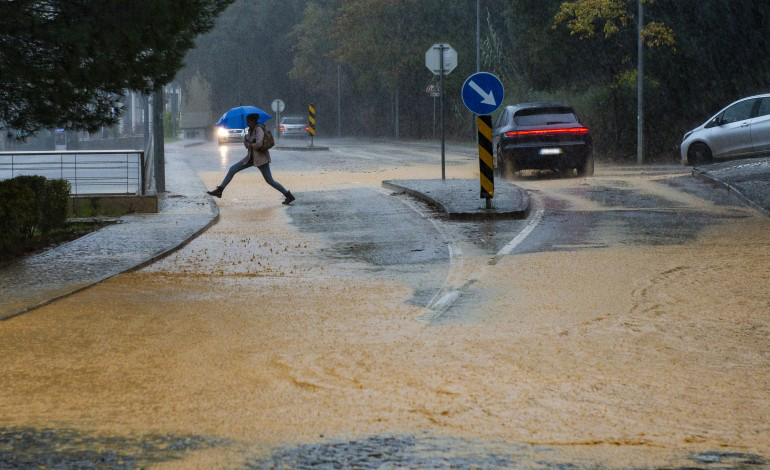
x=434, y=93
x=441, y=59
x=482, y=94
x=311, y=122
x=278, y=106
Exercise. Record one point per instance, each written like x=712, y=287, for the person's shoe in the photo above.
x=216, y=193
x=289, y=197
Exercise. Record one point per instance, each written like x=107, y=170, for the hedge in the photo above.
x=31, y=207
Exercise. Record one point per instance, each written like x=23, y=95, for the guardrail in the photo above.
x=88, y=171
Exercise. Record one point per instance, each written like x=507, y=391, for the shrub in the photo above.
x=30, y=208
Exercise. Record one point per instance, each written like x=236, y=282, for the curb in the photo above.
x=277, y=147
x=194, y=144
x=165, y=251
x=701, y=174
x=516, y=214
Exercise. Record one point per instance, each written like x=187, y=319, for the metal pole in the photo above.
x=478, y=36
x=434, y=117
x=339, y=106
x=475, y=124
x=398, y=136
x=640, y=89
x=443, y=135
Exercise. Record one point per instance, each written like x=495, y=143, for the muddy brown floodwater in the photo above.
x=625, y=355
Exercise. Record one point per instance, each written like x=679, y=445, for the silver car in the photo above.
x=293, y=126
x=225, y=135
x=742, y=129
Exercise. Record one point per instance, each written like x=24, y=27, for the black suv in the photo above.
x=541, y=136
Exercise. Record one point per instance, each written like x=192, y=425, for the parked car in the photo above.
x=741, y=129
x=541, y=136
x=225, y=135
x=293, y=126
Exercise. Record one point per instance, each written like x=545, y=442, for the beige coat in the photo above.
x=253, y=142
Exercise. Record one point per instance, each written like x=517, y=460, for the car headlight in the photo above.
x=222, y=132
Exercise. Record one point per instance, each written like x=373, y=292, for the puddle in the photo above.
x=65, y=449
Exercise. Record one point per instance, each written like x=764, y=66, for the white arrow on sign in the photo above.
x=488, y=98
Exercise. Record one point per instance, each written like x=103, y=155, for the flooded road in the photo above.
x=629, y=328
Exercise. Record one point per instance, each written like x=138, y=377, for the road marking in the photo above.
x=446, y=300
x=446, y=295
x=452, y=288
x=518, y=239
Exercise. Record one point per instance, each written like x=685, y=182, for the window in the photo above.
x=764, y=107
x=545, y=116
x=502, y=119
x=738, y=112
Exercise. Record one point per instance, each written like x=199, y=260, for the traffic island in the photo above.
x=748, y=178
x=300, y=148
x=459, y=198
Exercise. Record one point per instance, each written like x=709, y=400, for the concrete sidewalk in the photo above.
x=748, y=178
x=460, y=198
x=137, y=240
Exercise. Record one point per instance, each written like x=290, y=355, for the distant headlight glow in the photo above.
x=222, y=132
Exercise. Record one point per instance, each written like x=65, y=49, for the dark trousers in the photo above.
x=265, y=169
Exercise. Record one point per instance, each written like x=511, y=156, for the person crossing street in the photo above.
x=257, y=156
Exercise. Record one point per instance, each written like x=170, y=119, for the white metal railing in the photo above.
x=88, y=171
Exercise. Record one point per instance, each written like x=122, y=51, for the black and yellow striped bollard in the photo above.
x=311, y=122
x=486, y=162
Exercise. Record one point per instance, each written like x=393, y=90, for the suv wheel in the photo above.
x=587, y=168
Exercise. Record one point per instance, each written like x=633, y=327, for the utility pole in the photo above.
x=640, y=89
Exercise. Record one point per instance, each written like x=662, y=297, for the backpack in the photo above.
x=267, y=142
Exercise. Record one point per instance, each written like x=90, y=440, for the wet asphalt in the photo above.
x=392, y=235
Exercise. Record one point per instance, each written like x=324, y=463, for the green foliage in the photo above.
x=67, y=63
x=31, y=207
x=699, y=56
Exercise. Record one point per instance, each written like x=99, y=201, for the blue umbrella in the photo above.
x=236, y=117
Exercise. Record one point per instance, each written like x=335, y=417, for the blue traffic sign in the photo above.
x=483, y=93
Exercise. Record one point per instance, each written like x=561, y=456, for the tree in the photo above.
x=67, y=63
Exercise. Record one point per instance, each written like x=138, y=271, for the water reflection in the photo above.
x=223, y=149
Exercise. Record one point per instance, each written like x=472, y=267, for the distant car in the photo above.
x=293, y=126
x=541, y=136
x=741, y=129
x=225, y=135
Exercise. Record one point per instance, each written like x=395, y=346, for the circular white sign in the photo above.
x=278, y=106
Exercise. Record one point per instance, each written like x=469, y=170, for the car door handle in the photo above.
x=745, y=124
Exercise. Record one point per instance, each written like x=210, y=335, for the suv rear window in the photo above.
x=293, y=120
x=545, y=116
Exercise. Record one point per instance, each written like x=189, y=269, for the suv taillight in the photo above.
x=564, y=130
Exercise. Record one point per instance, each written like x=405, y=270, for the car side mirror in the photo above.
x=717, y=121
